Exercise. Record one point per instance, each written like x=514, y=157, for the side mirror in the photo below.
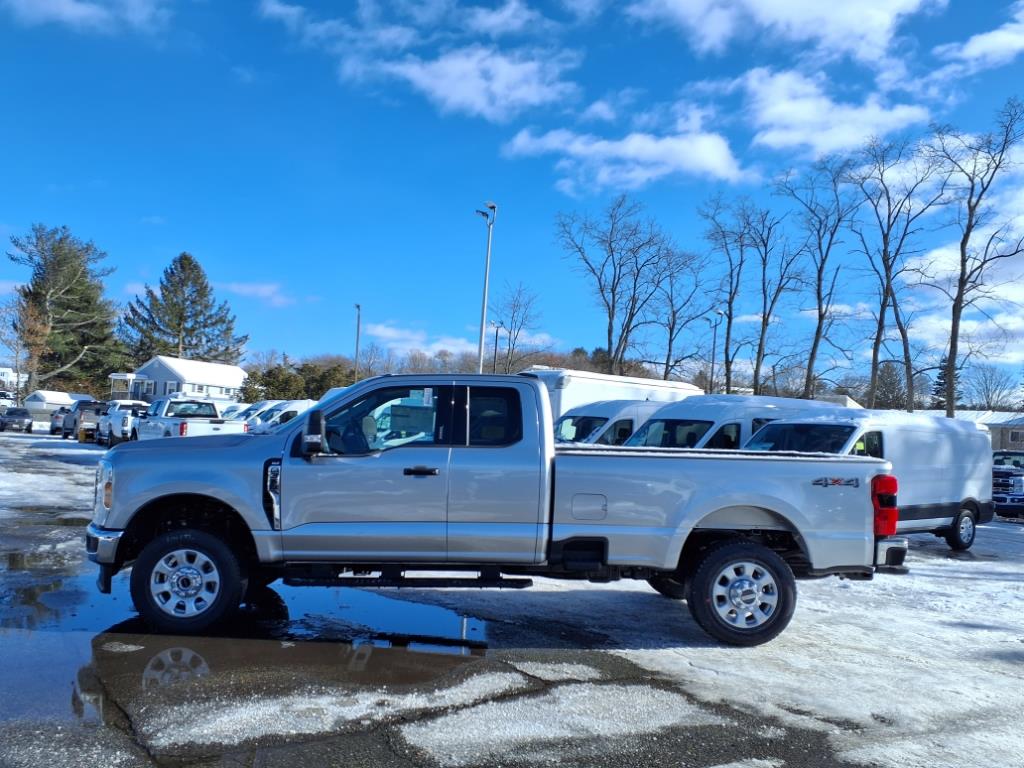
x=314, y=434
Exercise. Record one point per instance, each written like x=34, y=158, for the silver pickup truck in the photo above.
x=399, y=476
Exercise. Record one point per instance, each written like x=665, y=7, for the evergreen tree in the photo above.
x=182, y=319
x=64, y=323
x=891, y=392
x=939, y=388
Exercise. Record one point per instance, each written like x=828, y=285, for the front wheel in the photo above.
x=134, y=435
x=742, y=593
x=186, y=581
x=961, y=536
x=28, y=429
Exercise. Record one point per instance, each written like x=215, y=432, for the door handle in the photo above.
x=421, y=471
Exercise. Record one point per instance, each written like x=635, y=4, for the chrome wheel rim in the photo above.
x=745, y=595
x=966, y=528
x=184, y=583
x=172, y=666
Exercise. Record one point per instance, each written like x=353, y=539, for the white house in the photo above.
x=163, y=375
x=10, y=380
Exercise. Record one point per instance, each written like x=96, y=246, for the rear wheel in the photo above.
x=742, y=593
x=63, y=434
x=668, y=586
x=135, y=435
x=961, y=536
x=186, y=581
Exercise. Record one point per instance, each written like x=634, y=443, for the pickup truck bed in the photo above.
x=407, y=474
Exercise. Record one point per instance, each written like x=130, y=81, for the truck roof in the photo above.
x=880, y=418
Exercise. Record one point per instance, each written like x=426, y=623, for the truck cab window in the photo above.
x=391, y=418
x=495, y=416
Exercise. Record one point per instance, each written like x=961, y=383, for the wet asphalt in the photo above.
x=84, y=682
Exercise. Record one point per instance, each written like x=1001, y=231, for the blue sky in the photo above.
x=317, y=154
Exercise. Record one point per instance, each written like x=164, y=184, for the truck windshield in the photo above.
x=803, y=438
x=1008, y=458
x=189, y=409
x=670, y=433
x=570, y=429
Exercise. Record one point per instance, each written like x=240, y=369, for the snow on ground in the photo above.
x=554, y=672
x=572, y=711
x=307, y=712
x=41, y=471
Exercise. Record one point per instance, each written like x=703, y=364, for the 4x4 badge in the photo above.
x=827, y=482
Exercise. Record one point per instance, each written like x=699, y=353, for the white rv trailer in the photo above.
x=568, y=389
x=606, y=422
x=943, y=466
x=719, y=421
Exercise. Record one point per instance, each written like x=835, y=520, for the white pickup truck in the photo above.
x=398, y=476
x=182, y=417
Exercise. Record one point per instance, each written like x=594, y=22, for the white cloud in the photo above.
x=989, y=49
x=405, y=340
x=91, y=15
x=585, y=9
x=271, y=293
x=792, y=111
x=629, y=162
x=512, y=18
x=863, y=30
x=485, y=82
x=8, y=286
x=600, y=110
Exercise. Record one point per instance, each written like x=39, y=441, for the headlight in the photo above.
x=104, y=497
x=1018, y=484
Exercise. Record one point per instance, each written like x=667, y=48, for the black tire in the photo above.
x=203, y=546
x=28, y=429
x=54, y=430
x=112, y=441
x=669, y=586
x=771, y=576
x=3, y=427
x=63, y=434
x=961, y=536
x=135, y=435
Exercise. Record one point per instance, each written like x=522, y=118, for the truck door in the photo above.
x=381, y=491
x=147, y=427
x=495, y=495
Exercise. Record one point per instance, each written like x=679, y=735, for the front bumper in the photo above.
x=101, y=544
x=1009, y=506
x=890, y=552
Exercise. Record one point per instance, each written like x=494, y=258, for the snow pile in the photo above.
x=573, y=711
x=554, y=672
x=308, y=712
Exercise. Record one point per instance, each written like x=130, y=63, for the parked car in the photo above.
x=117, y=420
x=235, y=408
x=183, y=417
x=281, y=413
x=57, y=419
x=944, y=465
x=718, y=421
x=83, y=414
x=607, y=422
x=1008, y=483
x=467, y=477
x=16, y=419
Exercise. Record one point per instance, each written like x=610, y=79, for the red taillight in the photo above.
x=183, y=429
x=245, y=426
x=883, y=497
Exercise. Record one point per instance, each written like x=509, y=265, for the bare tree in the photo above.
x=682, y=299
x=623, y=254
x=992, y=387
x=826, y=206
x=973, y=163
x=899, y=185
x=778, y=272
x=516, y=311
x=727, y=237
x=12, y=341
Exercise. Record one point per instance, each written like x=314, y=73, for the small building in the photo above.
x=43, y=402
x=164, y=375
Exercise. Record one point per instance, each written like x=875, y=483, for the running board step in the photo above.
x=404, y=583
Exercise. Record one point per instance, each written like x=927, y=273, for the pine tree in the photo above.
x=891, y=391
x=64, y=323
x=939, y=388
x=182, y=319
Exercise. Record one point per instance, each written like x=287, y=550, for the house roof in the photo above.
x=199, y=372
x=52, y=396
x=981, y=417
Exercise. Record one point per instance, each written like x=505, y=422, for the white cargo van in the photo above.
x=944, y=466
x=568, y=389
x=719, y=421
x=606, y=422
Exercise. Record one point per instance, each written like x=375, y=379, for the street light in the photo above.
x=489, y=216
x=494, y=364
x=359, y=323
x=714, y=346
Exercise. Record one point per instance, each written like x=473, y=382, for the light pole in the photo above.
x=359, y=324
x=494, y=363
x=489, y=216
x=714, y=345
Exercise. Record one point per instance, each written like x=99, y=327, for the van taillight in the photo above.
x=183, y=429
x=883, y=497
x=245, y=426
